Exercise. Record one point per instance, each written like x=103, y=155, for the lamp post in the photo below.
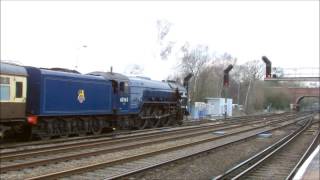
x=78, y=54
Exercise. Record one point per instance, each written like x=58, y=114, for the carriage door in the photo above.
x=123, y=97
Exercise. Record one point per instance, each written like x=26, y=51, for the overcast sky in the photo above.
x=120, y=34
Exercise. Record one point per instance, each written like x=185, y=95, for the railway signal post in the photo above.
x=268, y=66
x=225, y=86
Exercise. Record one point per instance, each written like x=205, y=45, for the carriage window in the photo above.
x=4, y=80
x=18, y=89
x=4, y=88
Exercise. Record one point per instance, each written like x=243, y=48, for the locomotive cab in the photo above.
x=123, y=96
x=120, y=96
x=120, y=86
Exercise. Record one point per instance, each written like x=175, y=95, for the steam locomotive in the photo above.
x=48, y=103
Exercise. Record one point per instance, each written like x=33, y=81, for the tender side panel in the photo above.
x=58, y=93
x=75, y=96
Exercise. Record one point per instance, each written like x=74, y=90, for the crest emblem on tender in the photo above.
x=81, y=96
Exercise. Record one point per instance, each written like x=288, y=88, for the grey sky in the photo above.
x=120, y=34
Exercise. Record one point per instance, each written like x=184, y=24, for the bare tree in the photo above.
x=252, y=70
x=218, y=65
x=193, y=60
x=134, y=69
x=250, y=73
x=166, y=51
x=178, y=78
x=164, y=27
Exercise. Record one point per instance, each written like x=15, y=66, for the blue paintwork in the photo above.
x=141, y=90
x=54, y=93
x=123, y=104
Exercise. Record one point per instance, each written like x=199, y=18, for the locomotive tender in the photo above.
x=49, y=103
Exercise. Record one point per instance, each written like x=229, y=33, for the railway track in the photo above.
x=280, y=160
x=66, y=145
x=140, y=150
x=12, y=145
x=100, y=145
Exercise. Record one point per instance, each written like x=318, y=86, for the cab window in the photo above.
x=4, y=89
x=124, y=87
x=18, y=89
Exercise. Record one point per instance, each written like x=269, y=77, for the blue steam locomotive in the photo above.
x=57, y=102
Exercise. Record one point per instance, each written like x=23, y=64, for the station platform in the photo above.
x=310, y=169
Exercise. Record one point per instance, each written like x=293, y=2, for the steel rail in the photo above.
x=304, y=157
x=176, y=159
x=108, y=138
x=113, y=134
x=65, y=147
x=248, y=165
x=125, y=147
x=116, y=141
x=159, y=151
x=189, y=133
